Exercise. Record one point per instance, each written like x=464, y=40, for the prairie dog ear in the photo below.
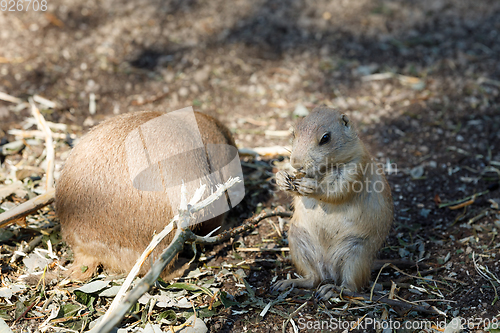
x=345, y=120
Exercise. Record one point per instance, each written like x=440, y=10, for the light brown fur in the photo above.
x=343, y=204
x=105, y=219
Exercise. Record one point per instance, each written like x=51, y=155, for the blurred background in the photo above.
x=253, y=62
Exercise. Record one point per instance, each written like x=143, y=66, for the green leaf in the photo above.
x=402, y=242
x=85, y=299
x=76, y=325
x=206, y=313
x=162, y=284
x=144, y=315
x=249, y=289
x=227, y=300
x=4, y=314
x=5, y=235
x=190, y=287
x=69, y=310
x=169, y=316
x=20, y=308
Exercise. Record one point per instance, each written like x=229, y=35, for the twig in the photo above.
x=54, y=126
x=28, y=309
x=392, y=302
x=9, y=98
x=258, y=249
x=38, y=134
x=414, y=276
x=285, y=323
x=479, y=216
x=42, y=100
x=451, y=203
x=26, y=248
x=422, y=273
x=183, y=234
x=265, y=151
x=463, y=204
x=375, y=282
x=26, y=208
x=486, y=80
x=42, y=125
x=250, y=223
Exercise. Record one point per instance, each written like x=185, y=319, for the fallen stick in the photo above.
x=261, y=249
x=181, y=222
x=183, y=235
x=9, y=217
x=249, y=224
x=38, y=134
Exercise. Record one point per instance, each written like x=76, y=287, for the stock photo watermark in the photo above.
x=376, y=324
x=23, y=5
x=340, y=177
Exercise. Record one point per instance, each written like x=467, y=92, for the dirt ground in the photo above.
x=421, y=80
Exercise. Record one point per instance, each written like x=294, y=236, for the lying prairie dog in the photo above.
x=121, y=184
x=343, y=204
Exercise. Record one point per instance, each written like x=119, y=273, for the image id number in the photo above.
x=23, y=5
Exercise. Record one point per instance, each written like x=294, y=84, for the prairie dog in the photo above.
x=343, y=205
x=104, y=217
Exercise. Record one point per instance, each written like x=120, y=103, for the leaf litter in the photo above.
x=431, y=105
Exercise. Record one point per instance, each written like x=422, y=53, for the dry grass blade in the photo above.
x=414, y=276
x=392, y=302
x=488, y=275
x=42, y=125
x=285, y=323
x=41, y=100
x=479, y=216
x=459, y=201
x=375, y=282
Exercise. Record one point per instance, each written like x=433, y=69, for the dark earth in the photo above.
x=421, y=79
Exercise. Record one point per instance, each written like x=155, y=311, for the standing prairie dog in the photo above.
x=104, y=217
x=343, y=204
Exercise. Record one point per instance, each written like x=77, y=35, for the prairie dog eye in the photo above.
x=325, y=139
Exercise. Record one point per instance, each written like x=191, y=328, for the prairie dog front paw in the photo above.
x=305, y=186
x=296, y=183
x=284, y=181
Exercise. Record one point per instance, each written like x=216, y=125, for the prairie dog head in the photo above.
x=322, y=140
